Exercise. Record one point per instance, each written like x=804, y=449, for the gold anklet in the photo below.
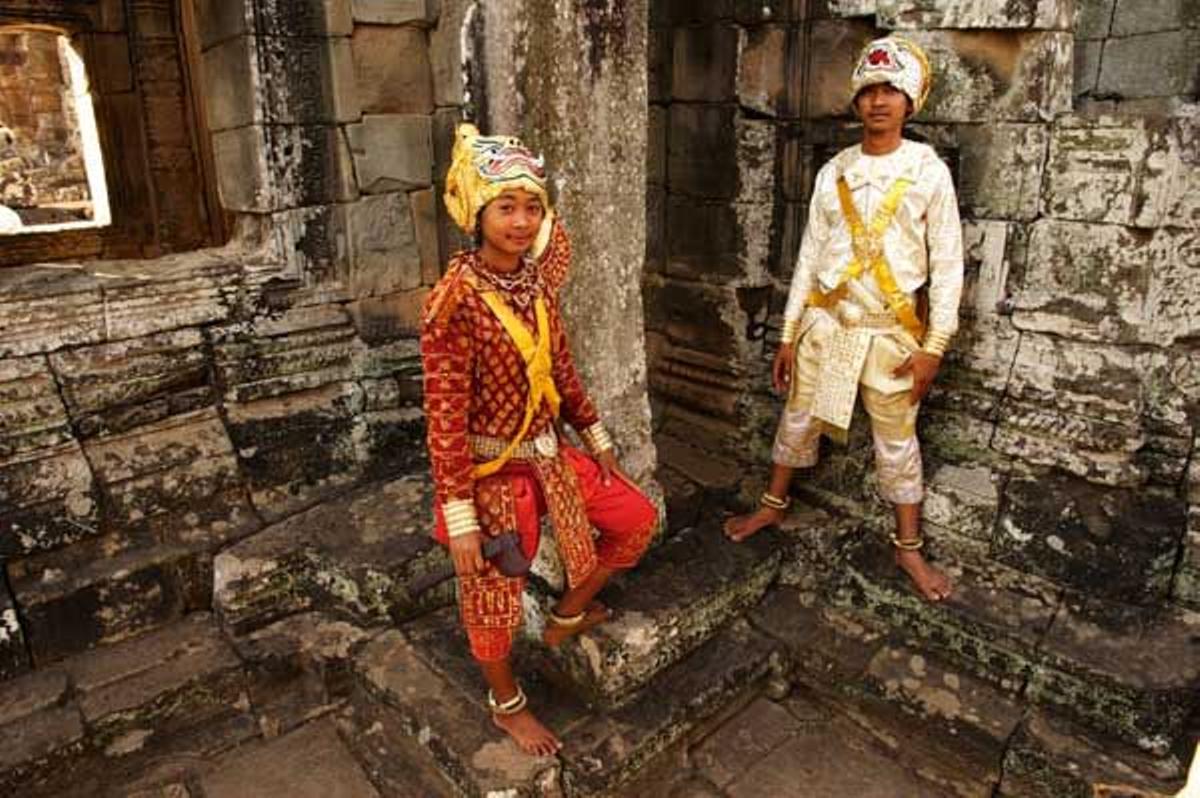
x=907, y=545
x=510, y=707
x=774, y=502
x=568, y=621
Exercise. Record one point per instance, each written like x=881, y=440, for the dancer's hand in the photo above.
x=781, y=369
x=607, y=460
x=467, y=553
x=923, y=367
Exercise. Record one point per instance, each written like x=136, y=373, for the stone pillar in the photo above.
x=569, y=77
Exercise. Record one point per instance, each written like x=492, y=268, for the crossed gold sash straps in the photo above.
x=538, y=368
x=867, y=244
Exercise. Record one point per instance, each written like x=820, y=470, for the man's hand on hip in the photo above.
x=923, y=367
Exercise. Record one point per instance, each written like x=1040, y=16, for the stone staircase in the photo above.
x=1013, y=688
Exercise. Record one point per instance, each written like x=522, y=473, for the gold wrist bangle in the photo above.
x=596, y=438
x=790, y=328
x=936, y=343
x=460, y=517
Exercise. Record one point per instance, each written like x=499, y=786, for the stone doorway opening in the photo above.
x=51, y=162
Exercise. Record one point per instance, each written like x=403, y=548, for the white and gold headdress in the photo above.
x=896, y=61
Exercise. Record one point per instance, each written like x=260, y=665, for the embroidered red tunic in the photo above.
x=474, y=376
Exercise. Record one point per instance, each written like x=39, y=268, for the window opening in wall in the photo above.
x=51, y=164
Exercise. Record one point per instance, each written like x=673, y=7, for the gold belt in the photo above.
x=485, y=447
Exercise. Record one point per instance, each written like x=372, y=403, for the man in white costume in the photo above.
x=873, y=302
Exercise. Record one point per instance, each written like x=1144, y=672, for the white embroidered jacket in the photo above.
x=923, y=242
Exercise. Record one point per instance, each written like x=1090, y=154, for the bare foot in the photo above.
x=741, y=527
x=931, y=583
x=528, y=733
x=556, y=634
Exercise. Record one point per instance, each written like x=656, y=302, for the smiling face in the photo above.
x=882, y=108
x=509, y=223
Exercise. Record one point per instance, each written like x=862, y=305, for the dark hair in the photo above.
x=479, y=228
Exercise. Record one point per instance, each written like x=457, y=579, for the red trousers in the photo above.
x=514, y=498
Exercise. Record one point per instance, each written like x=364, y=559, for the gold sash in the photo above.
x=867, y=244
x=538, y=370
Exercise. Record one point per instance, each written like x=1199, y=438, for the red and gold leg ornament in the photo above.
x=490, y=606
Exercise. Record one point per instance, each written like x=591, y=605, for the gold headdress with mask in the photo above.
x=484, y=167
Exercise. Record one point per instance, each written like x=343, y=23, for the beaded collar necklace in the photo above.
x=521, y=286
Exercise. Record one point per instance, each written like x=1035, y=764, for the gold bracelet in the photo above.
x=596, y=438
x=460, y=517
x=936, y=343
x=790, y=328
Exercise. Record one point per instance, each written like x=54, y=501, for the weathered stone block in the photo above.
x=309, y=165
x=1048, y=757
x=1131, y=671
x=656, y=147
x=685, y=12
x=963, y=499
x=1137, y=16
x=302, y=18
x=445, y=53
x=113, y=387
x=762, y=68
x=243, y=178
x=833, y=52
x=300, y=447
x=46, y=309
x=393, y=70
x=1118, y=544
x=32, y=746
x=260, y=769
x=701, y=161
x=703, y=240
x=704, y=63
x=1151, y=65
x=307, y=81
x=317, y=240
x=32, y=414
x=384, y=255
x=997, y=76
x=1093, y=19
x=396, y=12
x=392, y=152
x=1089, y=281
x=1087, y=66
x=219, y=20
x=48, y=499
x=610, y=665
x=388, y=317
x=693, y=314
x=1122, y=170
x=70, y=604
x=1001, y=170
x=923, y=15
x=300, y=349
x=851, y=8
x=353, y=555
x=175, y=481
x=233, y=65
x=424, y=212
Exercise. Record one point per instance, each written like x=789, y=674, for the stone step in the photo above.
x=421, y=685
x=1131, y=672
x=679, y=595
x=962, y=733
x=351, y=556
x=180, y=690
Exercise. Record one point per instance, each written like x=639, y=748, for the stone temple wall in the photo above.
x=1061, y=436
x=155, y=412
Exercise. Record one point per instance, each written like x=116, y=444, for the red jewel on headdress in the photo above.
x=877, y=57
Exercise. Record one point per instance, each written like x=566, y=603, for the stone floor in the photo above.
x=783, y=749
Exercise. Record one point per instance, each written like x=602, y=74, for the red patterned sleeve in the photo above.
x=577, y=407
x=447, y=355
